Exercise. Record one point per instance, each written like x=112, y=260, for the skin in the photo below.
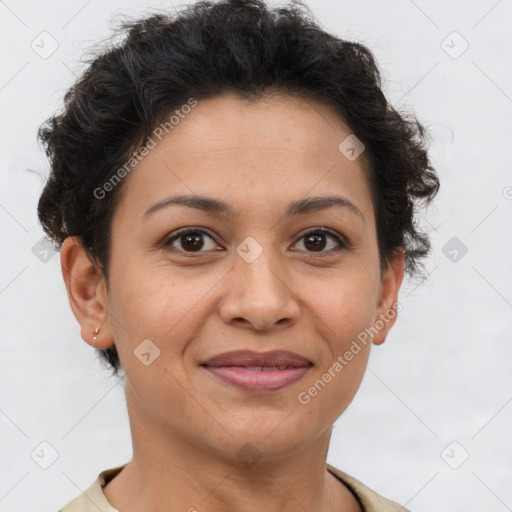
x=187, y=426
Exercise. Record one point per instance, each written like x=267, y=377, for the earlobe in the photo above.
x=388, y=307
x=85, y=285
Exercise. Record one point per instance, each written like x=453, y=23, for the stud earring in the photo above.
x=96, y=331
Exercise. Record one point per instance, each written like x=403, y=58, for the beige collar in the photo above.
x=93, y=499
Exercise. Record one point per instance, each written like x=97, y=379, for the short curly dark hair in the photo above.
x=208, y=48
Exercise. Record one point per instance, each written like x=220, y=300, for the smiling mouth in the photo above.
x=258, y=372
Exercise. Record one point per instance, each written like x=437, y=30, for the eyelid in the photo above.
x=184, y=231
x=342, y=242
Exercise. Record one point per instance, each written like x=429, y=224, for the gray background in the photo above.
x=438, y=390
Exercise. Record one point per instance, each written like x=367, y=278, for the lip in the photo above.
x=258, y=371
x=251, y=358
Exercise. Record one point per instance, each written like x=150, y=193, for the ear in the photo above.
x=388, y=307
x=87, y=293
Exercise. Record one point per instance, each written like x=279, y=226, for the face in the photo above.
x=252, y=276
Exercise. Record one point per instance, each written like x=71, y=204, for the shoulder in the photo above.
x=93, y=499
x=370, y=500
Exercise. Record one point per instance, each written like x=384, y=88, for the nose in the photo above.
x=259, y=296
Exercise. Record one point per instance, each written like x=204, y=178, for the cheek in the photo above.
x=344, y=306
x=154, y=304
x=146, y=306
x=341, y=311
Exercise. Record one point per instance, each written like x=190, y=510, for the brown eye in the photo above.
x=317, y=240
x=189, y=240
x=192, y=241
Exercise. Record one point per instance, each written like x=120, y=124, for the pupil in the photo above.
x=194, y=241
x=315, y=242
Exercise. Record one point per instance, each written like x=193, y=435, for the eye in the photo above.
x=316, y=240
x=190, y=240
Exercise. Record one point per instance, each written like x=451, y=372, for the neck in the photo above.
x=167, y=468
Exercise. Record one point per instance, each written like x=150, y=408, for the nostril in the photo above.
x=242, y=322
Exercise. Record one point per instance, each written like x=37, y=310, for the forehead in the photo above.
x=275, y=123
x=279, y=146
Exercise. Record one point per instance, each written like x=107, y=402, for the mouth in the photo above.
x=258, y=372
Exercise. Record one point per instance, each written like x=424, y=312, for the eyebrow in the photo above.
x=219, y=208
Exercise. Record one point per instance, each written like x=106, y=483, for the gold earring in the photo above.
x=96, y=331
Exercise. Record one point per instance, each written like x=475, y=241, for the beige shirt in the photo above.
x=93, y=499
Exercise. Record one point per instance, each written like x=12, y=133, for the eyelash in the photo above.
x=339, y=240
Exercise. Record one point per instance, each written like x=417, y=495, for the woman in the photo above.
x=234, y=201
